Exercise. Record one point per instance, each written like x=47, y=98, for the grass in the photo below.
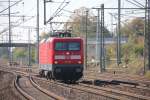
x=135, y=66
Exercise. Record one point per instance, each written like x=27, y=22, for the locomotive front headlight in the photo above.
x=78, y=70
x=79, y=62
x=56, y=62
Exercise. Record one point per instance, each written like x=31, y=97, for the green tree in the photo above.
x=22, y=53
x=4, y=52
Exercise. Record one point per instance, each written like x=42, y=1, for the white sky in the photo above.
x=29, y=9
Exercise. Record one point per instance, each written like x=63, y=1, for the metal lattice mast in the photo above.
x=9, y=48
x=102, y=40
x=86, y=40
x=37, y=51
x=97, y=34
x=29, y=48
x=119, y=33
x=44, y=12
x=145, y=31
x=146, y=52
x=148, y=34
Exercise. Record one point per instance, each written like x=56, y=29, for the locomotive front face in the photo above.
x=68, y=59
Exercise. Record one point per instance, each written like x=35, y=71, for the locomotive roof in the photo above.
x=52, y=38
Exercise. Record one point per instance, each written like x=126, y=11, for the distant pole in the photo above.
x=148, y=34
x=145, y=38
x=102, y=40
x=111, y=17
x=66, y=27
x=37, y=58
x=118, y=36
x=9, y=54
x=86, y=40
x=44, y=12
x=97, y=36
x=29, y=49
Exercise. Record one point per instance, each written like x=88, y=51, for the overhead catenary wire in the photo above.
x=127, y=15
x=59, y=7
x=138, y=3
x=19, y=23
x=58, y=10
x=10, y=6
x=134, y=3
x=68, y=11
x=8, y=1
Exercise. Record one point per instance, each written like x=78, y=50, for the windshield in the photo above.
x=67, y=46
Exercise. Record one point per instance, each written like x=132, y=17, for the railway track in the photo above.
x=71, y=92
x=32, y=91
x=126, y=86
x=110, y=93
x=142, y=81
x=127, y=95
x=118, y=92
x=29, y=89
x=7, y=88
x=100, y=92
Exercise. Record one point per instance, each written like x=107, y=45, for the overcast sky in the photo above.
x=28, y=9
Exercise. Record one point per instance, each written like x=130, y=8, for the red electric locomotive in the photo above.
x=61, y=57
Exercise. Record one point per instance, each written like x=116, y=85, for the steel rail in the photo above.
x=16, y=85
x=27, y=96
x=46, y=91
x=94, y=91
x=88, y=90
x=132, y=95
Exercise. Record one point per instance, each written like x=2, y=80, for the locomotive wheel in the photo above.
x=41, y=73
x=49, y=75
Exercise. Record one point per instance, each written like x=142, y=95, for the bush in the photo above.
x=147, y=74
x=138, y=50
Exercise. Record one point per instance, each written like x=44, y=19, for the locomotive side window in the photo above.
x=67, y=46
x=74, y=46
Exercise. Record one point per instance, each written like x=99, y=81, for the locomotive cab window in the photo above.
x=61, y=46
x=74, y=46
x=67, y=46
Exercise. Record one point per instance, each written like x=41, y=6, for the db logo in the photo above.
x=67, y=57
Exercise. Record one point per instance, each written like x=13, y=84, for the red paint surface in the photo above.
x=47, y=52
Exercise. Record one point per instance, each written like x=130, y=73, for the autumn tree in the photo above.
x=78, y=26
x=134, y=30
x=44, y=35
x=134, y=27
